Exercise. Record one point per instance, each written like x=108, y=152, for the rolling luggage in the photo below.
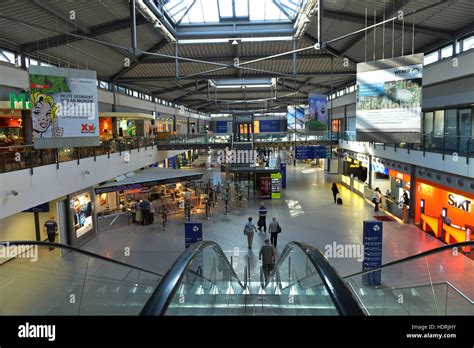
x=339, y=201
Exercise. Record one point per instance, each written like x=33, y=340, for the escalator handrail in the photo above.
x=341, y=296
x=159, y=301
x=413, y=257
x=77, y=250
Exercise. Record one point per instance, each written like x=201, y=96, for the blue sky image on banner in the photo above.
x=317, y=118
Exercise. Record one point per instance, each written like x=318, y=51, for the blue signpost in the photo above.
x=192, y=233
x=283, y=174
x=372, y=252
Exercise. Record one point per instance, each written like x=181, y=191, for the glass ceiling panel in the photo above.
x=213, y=11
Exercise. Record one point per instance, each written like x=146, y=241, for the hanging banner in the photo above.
x=388, y=106
x=317, y=118
x=64, y=107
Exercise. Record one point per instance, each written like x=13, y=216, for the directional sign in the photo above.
x=192, y=233
x=311, y=152
x=372, y=252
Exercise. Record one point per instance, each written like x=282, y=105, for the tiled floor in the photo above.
x=306, y=213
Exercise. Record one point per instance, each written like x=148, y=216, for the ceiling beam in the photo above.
x=391, y=10
x=159, y=60
x=441, y=42
x=360, y=19
x=64, y=18
x=225, y=77
x=97, y=30
x=142, y=58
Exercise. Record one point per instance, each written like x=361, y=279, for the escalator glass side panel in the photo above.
x=437, y=282
x=50, y=279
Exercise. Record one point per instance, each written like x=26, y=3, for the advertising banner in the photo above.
x=276, y=185
x=317, y=118
x=81, y=211
x=388, y=105
x=373, y=232
x=64, y=107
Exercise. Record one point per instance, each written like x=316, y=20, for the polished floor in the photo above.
x=306, y=212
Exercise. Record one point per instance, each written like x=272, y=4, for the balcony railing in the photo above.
x=452, y=145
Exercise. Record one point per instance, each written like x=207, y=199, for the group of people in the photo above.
x=267, y=251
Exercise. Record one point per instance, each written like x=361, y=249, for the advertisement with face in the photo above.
x=81, y=211
x=64, y=106
x=317, y=118
x=388, y=105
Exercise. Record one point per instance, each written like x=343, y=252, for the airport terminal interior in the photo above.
x=237, y=157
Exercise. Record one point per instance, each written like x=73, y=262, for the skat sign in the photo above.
x=459, y=202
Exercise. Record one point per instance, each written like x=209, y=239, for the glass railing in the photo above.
x=40, y=278
x=435, y=282
x=446, y=145
x=292, y=136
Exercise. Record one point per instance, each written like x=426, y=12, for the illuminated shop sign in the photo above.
x=459, y=202
x=19, y=101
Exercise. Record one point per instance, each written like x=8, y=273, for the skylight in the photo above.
x=216, y=11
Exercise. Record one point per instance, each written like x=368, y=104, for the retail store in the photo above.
x=445, y=212
x=160, y=187
x=13, y=111
x=126, y=124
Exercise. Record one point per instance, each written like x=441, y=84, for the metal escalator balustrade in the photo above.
x=203, y=282
x=433, y=282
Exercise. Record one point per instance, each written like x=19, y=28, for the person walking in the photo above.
x=274, y=228
x=249, y=230
x=406, y=206
x=335, y=192
x=376, y=197
x=267, y=255
x=51, y=227
x=262, y=218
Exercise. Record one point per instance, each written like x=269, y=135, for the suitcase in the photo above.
x=339, y=201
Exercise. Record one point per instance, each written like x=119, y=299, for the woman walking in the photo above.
x=249, y=230
x=335, y=191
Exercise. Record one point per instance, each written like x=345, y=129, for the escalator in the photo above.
x=54, y=279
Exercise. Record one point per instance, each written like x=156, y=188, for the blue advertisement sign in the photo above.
x=283, y=174
x=373, y=232
x=221, y=126
x=269, y=126
x=311, y=152
x=192, y=233
x=317, y=119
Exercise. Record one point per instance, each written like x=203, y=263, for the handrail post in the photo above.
x=248, y=267
x=289, y=269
